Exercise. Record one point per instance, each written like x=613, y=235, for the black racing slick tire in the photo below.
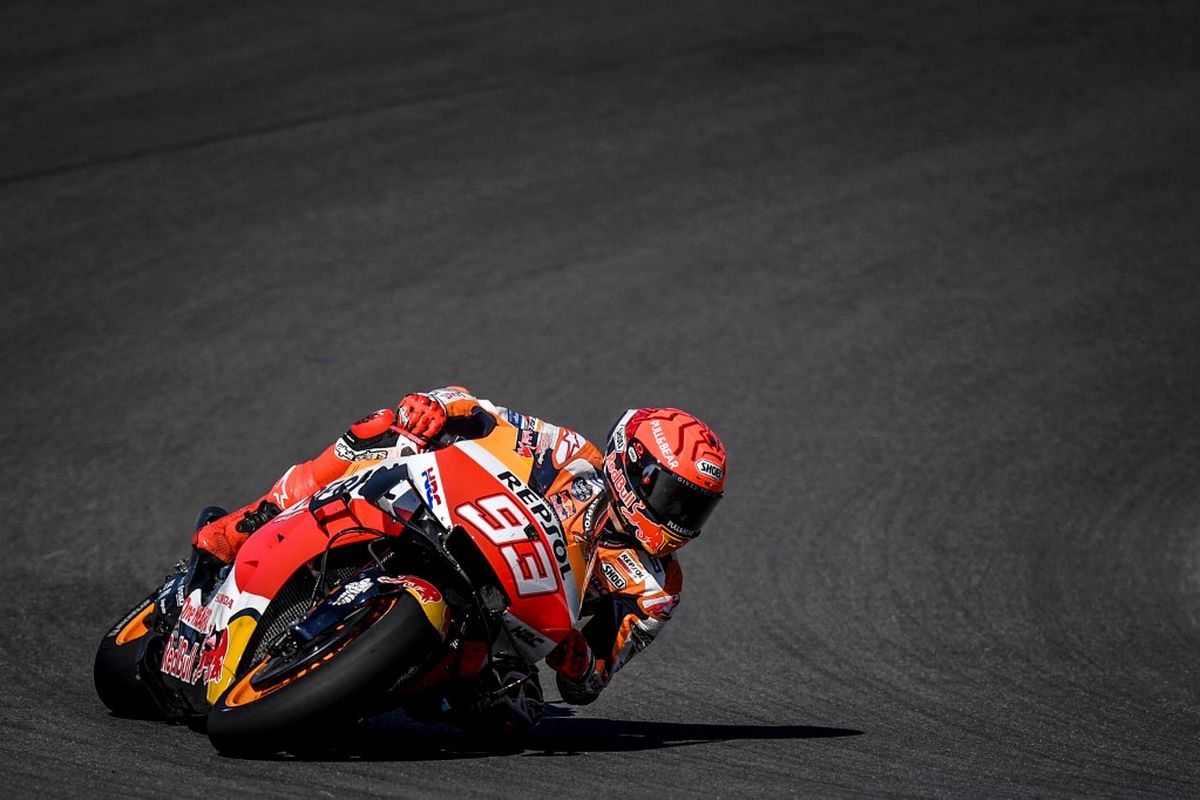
x=117, y=671
x=293, y=703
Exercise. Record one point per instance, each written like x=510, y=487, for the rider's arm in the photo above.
x=454, y=410
x=637, y=595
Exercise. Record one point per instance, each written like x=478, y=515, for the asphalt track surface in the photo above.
x=931, y=271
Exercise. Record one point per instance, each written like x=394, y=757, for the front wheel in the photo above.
x=117, y=671
x=291, y=700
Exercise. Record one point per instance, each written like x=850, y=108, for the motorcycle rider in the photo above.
x=648, y=494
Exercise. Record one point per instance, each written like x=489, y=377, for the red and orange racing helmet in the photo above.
x=665, y=470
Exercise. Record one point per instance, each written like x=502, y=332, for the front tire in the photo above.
x=117, y=671
x=290, y=702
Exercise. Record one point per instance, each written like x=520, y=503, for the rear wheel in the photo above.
x=292, y=700
x=117, y=671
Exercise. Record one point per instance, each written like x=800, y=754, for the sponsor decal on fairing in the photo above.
x=530, y=641
x=197, y=617
x=425, y=591
x=538, y=510
x=434, y=497
x=523, y=634
x=195, y=662
x=429, y=481
x=432, y=603
x=351, y=591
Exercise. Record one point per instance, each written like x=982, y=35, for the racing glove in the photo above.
x=223, y=537
x=421, y=414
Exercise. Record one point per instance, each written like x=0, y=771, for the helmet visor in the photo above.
x=677, y=503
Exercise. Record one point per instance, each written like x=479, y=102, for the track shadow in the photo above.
x=590, y=735
x=396, y=738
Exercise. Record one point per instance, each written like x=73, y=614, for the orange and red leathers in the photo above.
x=631, y=594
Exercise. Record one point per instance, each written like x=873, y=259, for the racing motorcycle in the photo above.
x=430, y=581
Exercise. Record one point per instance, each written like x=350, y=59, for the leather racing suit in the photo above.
x=631, y=594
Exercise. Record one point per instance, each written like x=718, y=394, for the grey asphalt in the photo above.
x=929, y=269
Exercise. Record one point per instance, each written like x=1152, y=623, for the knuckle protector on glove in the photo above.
x=421, y=414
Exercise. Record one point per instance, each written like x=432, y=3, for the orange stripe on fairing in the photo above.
x=501, y=444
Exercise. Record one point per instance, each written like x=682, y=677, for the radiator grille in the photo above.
x=291, y=603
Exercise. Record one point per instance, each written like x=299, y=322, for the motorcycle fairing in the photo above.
x=568, y=555
x=542, y=572
x=521, y=538
x=284, y=545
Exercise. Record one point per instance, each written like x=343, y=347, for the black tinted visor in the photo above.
x=677, y=503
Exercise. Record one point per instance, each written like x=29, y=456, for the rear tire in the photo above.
x=332, y=688
x=117, y=671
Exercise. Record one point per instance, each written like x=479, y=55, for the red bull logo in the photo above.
x=212, y=656
x=428, y=596
x=425, y=591
x=196, y=662
x=617, y=477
